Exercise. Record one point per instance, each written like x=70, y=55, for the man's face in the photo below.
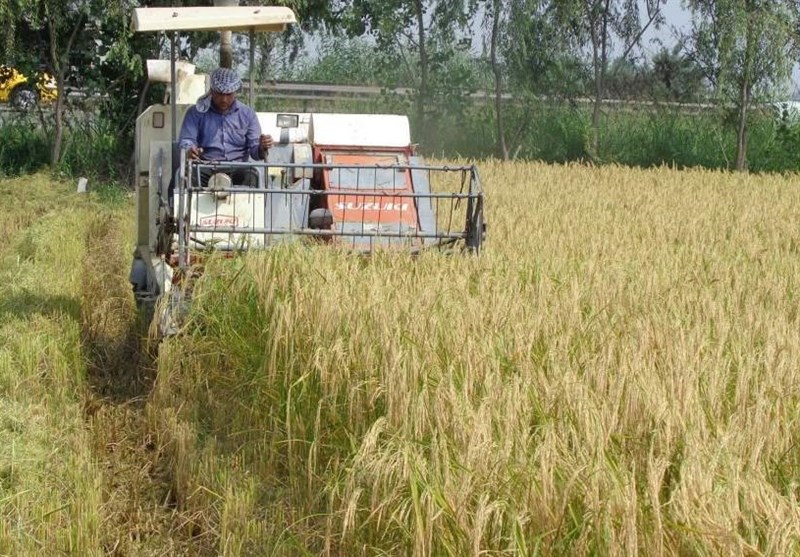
x=222, y=101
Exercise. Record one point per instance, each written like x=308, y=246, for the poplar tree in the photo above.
x=746, y=50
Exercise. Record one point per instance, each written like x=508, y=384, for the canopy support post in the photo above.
x=173, y=87
x=251, y=67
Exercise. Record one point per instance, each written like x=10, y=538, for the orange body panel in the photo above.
x=372, y=195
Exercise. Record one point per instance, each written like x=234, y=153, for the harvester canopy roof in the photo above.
x=207, y=18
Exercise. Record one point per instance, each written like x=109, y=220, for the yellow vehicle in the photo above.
x=22, y=92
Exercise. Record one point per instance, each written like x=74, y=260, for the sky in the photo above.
x=676, y=18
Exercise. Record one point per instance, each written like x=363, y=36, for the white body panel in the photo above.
x=152, y=132
x=159, y=70
x=191, y=88
x=237, y=210
x=248, y=212
x=362, y=130
x=189, y=85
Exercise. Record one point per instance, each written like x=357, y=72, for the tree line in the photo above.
x=735, y=54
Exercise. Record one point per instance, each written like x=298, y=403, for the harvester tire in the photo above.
x=24, y=98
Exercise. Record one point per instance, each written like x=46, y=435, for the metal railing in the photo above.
x=362, y=207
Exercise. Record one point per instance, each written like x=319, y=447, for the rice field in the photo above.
x=617, y=373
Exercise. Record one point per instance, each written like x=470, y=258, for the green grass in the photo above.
x=50, y=494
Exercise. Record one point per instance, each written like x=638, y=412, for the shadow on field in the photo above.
x=27, y=304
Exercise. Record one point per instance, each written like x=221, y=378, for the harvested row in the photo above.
x=50, y=493
x=79, y=473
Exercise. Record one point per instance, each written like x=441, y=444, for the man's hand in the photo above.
x=265, y=143
x=195, y=152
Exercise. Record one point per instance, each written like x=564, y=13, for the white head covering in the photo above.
x=223, y=80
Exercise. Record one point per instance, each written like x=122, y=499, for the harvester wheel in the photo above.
x=23, y=98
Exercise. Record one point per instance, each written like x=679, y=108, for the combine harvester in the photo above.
x=352, y=180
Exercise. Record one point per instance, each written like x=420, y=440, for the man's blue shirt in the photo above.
x=232, y=136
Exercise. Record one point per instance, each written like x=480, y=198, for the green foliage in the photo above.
x=82, y=43
x=745, y=51
x=422, y=35
x=676, y=76
x=390, y=22
x=552, y=133
x=666, y=138
x=544, y=51
x=739, y=43
x=94, y=148
x=774, y=146
x=556, y=132
x=540, y=57
x=349, y=62
x=23, y=148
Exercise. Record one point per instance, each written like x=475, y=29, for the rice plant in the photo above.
x=615, y=373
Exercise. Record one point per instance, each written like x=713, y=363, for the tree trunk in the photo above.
x=741, y=135
x=744, y=97
x=58, y=128
x=422, y=94
x=265, y=46
x=498, y=81
x=61, y=72
x=594, y=137
x=594, y=133
x=599, y=35
x=225, y=50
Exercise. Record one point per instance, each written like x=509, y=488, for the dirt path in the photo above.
x=140, y=515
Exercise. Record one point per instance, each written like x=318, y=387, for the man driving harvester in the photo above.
x=220, y=128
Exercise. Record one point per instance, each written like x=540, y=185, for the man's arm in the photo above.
x=189, y=137
x=189, y=130
x=253, y=136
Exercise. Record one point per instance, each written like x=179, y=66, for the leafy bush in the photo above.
x=93, y=147
x=24, y=148
x=667, y=138
x=774, y=146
